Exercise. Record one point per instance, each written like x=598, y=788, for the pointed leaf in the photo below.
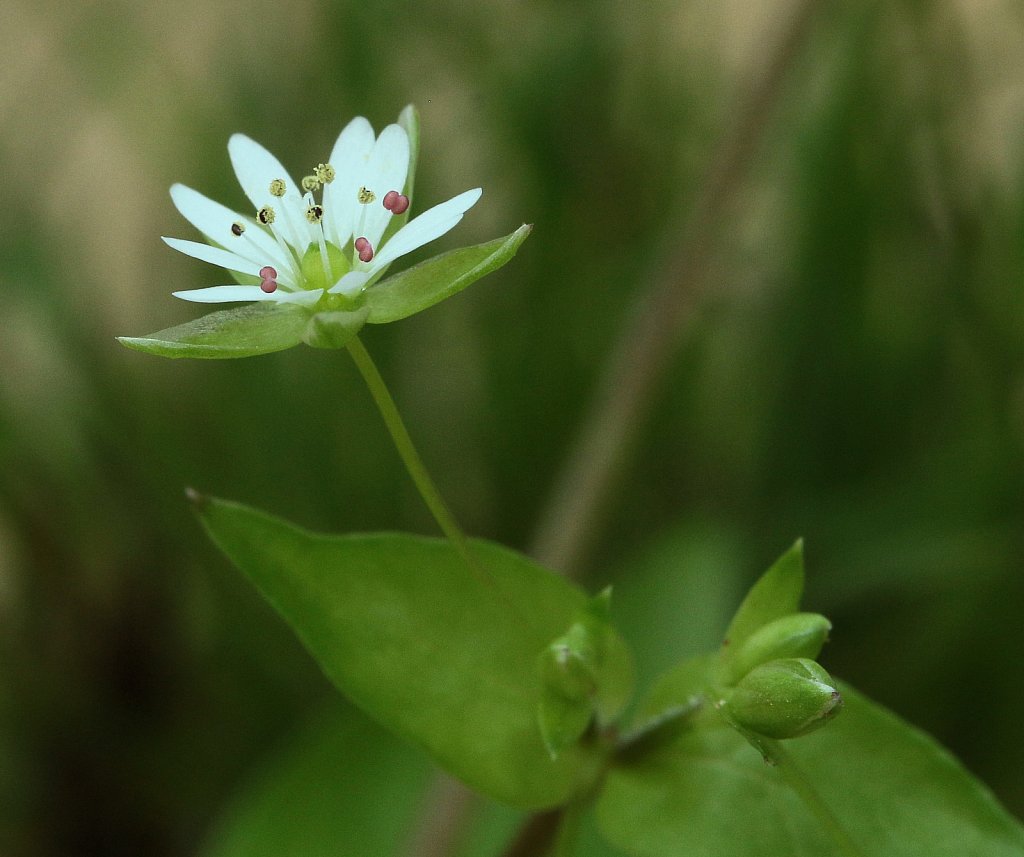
x=239, y=332
x=440, y=655
x=776, y=594
x=894, y=790
x=432, y=281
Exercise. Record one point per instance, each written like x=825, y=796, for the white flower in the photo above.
x=300, y=248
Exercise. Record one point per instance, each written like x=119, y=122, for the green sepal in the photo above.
x=613, y=661
x=334, y=329
x=786, y=698
x=423, y=285
x=436, y=652
x=799, y=635
x=776, y=594
x=240, y=332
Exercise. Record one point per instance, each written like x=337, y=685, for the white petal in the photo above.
x=214, y=255
x=432, y=224
x=224, y=294
x=215, y=221
x=256, y=168
x=232, y=294
x=348, y=157
x=306, y=297
x=351, y=283
x=386, y=169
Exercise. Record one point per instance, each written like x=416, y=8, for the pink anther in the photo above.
x=269, y=277
x=396, y=202
x=364, y=249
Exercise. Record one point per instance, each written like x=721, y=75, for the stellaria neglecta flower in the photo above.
x=326, y=234
x=309, y=258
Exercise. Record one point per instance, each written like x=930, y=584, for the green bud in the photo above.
x=799, y=635
x=784, y=699
x=586, y=675
x=567, y=688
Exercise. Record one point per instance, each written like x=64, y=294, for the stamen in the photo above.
x=366, y=196
x=396, y=202
x=237, y=229
x=324, y=173
x=267, y=216
x=278, y=187
x=268, y=275
x=314, y=213
x=364, y=249
x=310, y=183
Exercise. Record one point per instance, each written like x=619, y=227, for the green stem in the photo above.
x=410, y=457
x=796, y=780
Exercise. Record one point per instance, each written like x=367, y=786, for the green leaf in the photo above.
x=775, y=595
x=444, y=657
x=430, y=282
x=896, y=792
x=240, y=332
x=339, y=787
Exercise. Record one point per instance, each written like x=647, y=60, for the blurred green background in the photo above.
x=850, y=371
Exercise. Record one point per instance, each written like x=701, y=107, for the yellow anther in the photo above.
x=277, y=187
x=325, y=173
x=366, y=196
x=265, y=215
x=310, y=183
x=315, y=213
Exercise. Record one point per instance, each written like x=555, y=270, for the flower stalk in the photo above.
x=407, y=451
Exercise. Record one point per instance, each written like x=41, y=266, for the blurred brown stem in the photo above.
x=567, y=526
x=537, y=835
x=579, y=498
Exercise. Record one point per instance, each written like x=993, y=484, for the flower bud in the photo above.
x=799, y=635
x=567, y=689
x=784, y=698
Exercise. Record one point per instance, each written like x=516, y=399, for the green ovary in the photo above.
x=313, y=274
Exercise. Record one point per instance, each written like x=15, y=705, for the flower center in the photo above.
x=316, y=274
